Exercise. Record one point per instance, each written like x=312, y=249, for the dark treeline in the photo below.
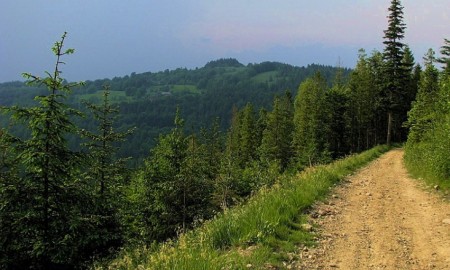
x=68, y=199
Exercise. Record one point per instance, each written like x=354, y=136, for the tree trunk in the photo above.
x=367, y=139
x=389, y=130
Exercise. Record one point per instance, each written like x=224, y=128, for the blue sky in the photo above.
x=115, y=38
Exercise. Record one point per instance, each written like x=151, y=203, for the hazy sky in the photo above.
x=117, y=37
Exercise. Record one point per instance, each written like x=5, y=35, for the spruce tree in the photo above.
x=105, y=175
x=311, y=123
x=247, y=135
x=379, y=120
x=105, y=168
x=163, y=213
x=360, y=87
x=338, y=100
x=48, y=215
x=197, y=186
x=363, y=97
x=277, y=137
x=177, y=189
x=422, y=115
x=261, y=125
x=445, y=58
x=408, y=93
x=212, y=139
x=394, y=68
x=226, y=183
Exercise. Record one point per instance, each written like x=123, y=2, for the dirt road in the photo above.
x=380, y=219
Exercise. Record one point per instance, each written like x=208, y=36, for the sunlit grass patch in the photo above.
x=429, y=163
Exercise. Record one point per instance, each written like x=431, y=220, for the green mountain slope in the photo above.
x=149, y=100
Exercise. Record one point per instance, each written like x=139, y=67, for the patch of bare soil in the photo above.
x=380, y=218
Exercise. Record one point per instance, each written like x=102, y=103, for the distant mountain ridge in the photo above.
x=148, y=100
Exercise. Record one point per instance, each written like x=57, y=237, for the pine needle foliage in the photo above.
x=46, y=218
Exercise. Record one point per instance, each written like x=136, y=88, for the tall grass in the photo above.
x=430, y=161
x=252, y=235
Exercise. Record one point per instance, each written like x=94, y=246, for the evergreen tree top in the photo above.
x=396, y=26
x=445, y=59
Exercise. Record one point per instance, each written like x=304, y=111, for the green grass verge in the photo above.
x=259, y=233
x=429, y=163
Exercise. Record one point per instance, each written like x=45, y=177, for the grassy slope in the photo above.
x=115, y=96
x=265, y=77
x=261, y=232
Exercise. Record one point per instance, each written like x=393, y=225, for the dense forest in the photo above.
x=206, y=140
x=428, y=145
x=148, y=101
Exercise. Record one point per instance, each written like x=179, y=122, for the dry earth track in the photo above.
x=380, y=218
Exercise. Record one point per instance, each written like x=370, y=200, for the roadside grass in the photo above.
x=428, y=163
x=262, y=233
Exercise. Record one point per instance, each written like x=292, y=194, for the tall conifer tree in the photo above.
x=277, y=137
x=105, y=168
x=48, y=214
x=420, y=117
x=105, y=175
x=362, y=95
x=311, y=122
x=445, y=58
x=247, y=135
x=394, y=66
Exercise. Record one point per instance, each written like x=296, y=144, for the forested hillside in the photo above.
x=148, y=101
x=201, y=142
